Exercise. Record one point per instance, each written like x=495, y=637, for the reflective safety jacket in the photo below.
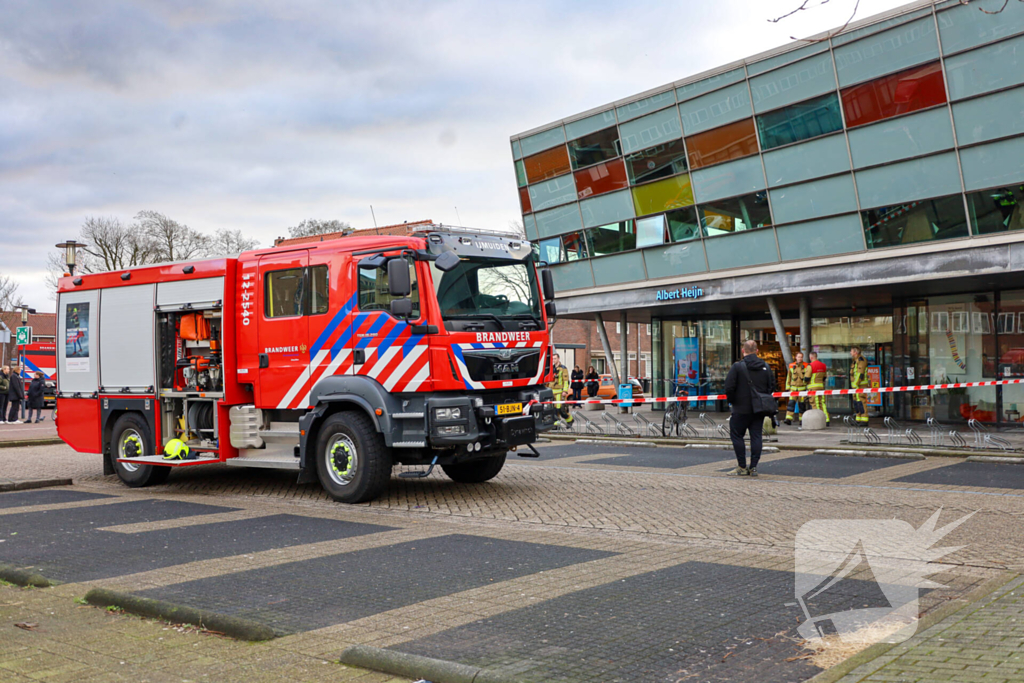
x=796, y=378
x=859, y=373
x=560, y=384
x=819, y=371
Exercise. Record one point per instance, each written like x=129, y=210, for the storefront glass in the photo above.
x=943, y=340
x=694, y=356
x=1010, y=335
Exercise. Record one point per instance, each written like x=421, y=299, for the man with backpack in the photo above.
x=749, y=387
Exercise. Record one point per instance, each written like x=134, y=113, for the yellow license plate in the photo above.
x=509, y=408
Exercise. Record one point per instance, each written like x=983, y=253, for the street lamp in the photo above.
x=25, y=310
x=70, y=253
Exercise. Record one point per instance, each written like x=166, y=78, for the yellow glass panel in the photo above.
x=670, y=193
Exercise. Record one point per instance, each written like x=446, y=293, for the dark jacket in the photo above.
x=16, y=391
x=593, y=384
x=577, y=379
x=35, y=393
x=4, y=384
x=738, y=391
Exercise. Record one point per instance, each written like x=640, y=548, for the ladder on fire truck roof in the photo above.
x=457, y=229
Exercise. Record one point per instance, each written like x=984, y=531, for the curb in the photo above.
x=30, y=442
x=26, y=484
x=900, y=455
x=21, y=577
x=932, y=619
x=1005, y=459
x=657, y=442
x=418, y=667
x=241, y=629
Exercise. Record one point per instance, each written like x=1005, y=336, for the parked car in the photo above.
x=608, y=389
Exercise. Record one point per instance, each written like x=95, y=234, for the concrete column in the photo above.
x=805, y=326
x=624, y=346
x=606, y=345
x=780, y=331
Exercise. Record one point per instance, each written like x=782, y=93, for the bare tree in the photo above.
x=313, y=226
x=9, y=297
x=231, y=242
x=112, y=245
x=171, y=240
x=517, y=228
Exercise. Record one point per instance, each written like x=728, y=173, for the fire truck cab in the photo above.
x=337, y=359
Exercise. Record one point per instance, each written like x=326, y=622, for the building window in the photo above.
x=549, y=164
x=520, y=173
x=997, y=210
x=660, y=161
x=594, y=148
x=920, y=221
x=802, y=121
x=549, y=251
x=524, y=200
x=373, y=289
x=900, y=93
x=600, y=179
x=663, y=195
x=683, y=224
x=732, y=141
x=598, y=363
x=725, y=216
x=650, y=231
x=574, y=247
x=611, y=238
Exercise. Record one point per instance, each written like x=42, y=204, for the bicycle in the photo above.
x=675, y=413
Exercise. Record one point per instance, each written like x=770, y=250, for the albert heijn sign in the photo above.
x=678, y=293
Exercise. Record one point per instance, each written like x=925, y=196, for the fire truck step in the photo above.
x=409, y=444
x=407, y=416
x=267, y=460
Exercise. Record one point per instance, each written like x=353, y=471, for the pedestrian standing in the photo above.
x=5, y=384
x=576, y=380
x=593, y=382
x=749, y=387
x=15, y=395
x=35, y=397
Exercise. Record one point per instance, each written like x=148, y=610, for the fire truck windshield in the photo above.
x=493, y=292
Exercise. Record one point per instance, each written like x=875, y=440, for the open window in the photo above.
x=374, y=293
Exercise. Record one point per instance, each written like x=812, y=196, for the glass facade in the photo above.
x=870, y=105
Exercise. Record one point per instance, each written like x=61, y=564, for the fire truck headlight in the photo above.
x=478, y=402
x=451, y=430
x=445, y=414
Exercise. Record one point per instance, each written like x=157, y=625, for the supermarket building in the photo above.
x=864, y=188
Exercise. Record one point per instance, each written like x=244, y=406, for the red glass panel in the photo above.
x=602, y=178
x=899, y=93
x=524, y=199
x=553, y=162
x=733, y=141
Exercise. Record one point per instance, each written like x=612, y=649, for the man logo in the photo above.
x=889, y=553
x=505, y=354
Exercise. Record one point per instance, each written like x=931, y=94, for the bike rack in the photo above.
x=688, y=431
x=982, y=439
x=644, y=426
x=896, y=432
x=938, y=431
x=712, y=429
x=851, y=432
x=617, y=426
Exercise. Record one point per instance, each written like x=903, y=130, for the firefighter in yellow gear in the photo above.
x=796, y=380
x=561, y=387
x=818, y=373
x=859, y=380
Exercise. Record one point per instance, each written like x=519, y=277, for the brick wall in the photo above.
x=585, y=332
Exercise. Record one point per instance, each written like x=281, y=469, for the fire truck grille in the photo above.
x=486, y=365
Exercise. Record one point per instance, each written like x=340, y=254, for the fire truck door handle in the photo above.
x=358, y=356
x=264, y=360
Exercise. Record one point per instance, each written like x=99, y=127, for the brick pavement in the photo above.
x=981, y=643
x=651, y=518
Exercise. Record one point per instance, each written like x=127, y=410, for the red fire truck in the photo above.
x=336, y=359
x=40, y=357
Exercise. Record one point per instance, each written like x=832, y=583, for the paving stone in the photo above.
x=967, y=474
x=665, y=458
x=46, y=497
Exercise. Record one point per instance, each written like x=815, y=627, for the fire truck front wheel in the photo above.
x=352, y=463
x=476, y=471
x=130, y=437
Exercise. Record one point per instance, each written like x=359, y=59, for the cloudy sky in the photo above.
x=256, y=114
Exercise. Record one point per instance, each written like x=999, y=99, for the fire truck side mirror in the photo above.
x=399, y=283
x=401, y=308
x=549, y=308
x=547, y=283
x=446, y=261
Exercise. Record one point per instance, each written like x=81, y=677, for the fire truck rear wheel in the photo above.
x=131, y=434
x=476, y=471
x=353, y=464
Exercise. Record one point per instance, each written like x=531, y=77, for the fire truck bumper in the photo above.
x=471, y=420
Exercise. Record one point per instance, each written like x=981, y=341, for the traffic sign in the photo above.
x=24, y=336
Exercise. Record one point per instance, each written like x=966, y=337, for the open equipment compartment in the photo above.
x=190, y=363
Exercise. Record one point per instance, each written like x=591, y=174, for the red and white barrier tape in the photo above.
x=796, y=394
